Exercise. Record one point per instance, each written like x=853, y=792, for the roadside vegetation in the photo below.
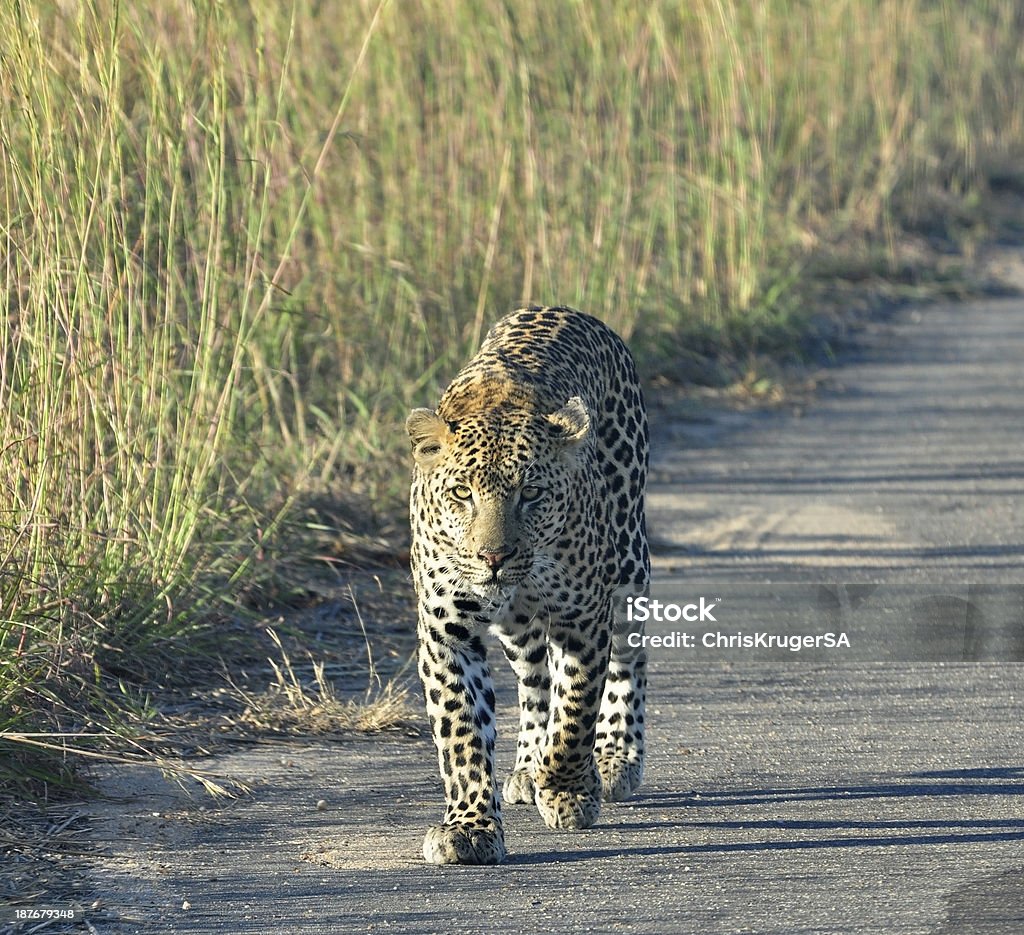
x=238, y=242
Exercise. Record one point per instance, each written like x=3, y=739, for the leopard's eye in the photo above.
x=530, y=492
x=461, y=492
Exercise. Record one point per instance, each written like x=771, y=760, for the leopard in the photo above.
x=527, y=520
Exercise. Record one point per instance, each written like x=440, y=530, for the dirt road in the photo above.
x=863, y=788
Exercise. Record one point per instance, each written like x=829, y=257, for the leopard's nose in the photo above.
x=495, y=559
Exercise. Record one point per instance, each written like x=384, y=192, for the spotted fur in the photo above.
x=527, y=512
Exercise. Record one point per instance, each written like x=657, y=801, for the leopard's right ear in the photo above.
x=429, y=434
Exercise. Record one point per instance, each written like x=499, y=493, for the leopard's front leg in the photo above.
x=525, y=644
x=620, y=727
x=460, y=707
x=566, y=779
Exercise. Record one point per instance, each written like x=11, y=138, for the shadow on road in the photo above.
x=881, y=833
x=894, y=840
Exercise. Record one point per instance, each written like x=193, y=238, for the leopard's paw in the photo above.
x=455, y=844
x=571, y=811
x=620, y=777
x=518, y=788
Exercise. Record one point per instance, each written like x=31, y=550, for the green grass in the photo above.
x=236, y=246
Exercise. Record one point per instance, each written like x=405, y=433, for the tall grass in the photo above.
x=236, y=242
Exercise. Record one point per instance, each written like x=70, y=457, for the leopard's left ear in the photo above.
x=428, y=433
x=572, y=422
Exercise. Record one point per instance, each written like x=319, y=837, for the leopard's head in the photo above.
x=492, y=489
